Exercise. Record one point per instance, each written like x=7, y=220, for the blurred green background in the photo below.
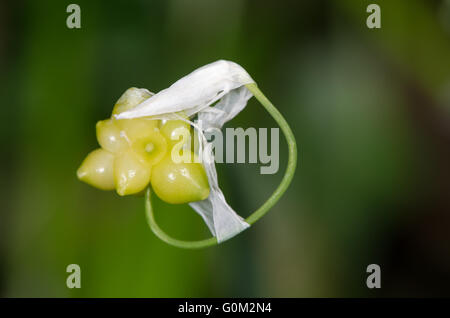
x=369, y=108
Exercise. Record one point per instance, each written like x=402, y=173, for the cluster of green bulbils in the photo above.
x=137, y=152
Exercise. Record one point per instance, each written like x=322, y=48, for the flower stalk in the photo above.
x=261, y=211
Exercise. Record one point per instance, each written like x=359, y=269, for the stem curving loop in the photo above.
x=261, y=211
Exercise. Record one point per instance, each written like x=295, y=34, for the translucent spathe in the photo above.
x=194, y=92
x=221, y=81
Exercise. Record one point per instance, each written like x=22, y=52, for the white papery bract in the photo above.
x=222, y=82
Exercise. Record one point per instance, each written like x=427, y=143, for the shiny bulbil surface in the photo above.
x=137, y=152
x=179, y=182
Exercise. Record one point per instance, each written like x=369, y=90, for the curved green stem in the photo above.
x=166, y=238
x=255, y=216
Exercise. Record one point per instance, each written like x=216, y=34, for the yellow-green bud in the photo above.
x=151, y=148
x=131, y=175
x=136, y=128
x=178, y=183
x=176, y=131
x=97, y=169
x=109, y=136
x=130, y=99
